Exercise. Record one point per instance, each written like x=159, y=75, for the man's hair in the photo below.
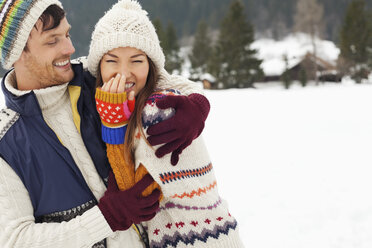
x=50, y=18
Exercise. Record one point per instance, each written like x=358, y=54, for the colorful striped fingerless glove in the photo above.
x=115, y=110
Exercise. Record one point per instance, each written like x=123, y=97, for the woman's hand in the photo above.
x=117, y=85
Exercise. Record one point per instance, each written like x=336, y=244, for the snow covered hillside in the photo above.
x=294, y=46
x=295, y=165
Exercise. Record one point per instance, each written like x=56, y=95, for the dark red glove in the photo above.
x=179, y=131
x=123, y=208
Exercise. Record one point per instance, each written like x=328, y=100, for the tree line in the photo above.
x=271, y=18
x=234, y=64
x=215, y=49
x=229, y=59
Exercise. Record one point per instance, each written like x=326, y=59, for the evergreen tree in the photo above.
x=160, y=32
x=356, y=41
x=201, y=50
x=234, y=63
x=171, y=49
x=303, y=77
x=285, y=77
x=169, y=44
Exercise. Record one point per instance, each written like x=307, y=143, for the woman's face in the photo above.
x=127, y=61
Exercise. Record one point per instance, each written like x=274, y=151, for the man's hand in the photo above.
x=123, y=208
x=179, y=131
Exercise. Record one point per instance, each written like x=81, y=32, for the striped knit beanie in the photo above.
x=17, y=18
x=125, y=24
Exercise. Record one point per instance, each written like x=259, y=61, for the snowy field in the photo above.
x=295, y=165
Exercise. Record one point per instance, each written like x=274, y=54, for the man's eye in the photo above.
x=50, y=43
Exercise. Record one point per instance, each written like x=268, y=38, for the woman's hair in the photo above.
x=136, y=118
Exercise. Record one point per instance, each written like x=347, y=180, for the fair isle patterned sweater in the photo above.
x=192, y=213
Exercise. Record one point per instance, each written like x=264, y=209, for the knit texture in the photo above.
x=115, y=110
x=192, y=213
x=83, y=231
x=125, y=24
x=17, y=18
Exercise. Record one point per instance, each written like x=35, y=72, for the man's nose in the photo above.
x=68, y=48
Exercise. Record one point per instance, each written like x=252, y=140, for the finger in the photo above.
x=131, y=95
x=162, y=127
x=115, y=83
x=131, y=101
x=176, y=154
x=175, y=157
x=121, y=85
x=112, y=185
x=149, y=200
x=144, y=218
x=105, y=86
x=169, y=102
x=168, y=148
x=150, y=210
x=108, y=84
x=142, y=184
x=163, y=138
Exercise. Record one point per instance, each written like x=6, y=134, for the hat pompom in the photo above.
x=130, y=5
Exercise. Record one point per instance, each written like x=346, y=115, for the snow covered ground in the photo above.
x=295, y=165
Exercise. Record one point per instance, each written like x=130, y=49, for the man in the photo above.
x=53, y=166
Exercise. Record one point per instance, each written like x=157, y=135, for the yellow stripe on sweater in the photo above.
x=74, y=92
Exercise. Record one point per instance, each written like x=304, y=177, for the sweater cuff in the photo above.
x=114, y=98
x=96, y=224
x=114, y=136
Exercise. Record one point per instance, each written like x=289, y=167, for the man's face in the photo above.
x=46, y=62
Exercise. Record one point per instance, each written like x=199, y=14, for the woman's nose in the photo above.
x=124, y=70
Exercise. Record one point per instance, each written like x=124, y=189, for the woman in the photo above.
x=126, y=57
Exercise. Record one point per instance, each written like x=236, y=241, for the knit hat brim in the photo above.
x=126, y=24
x=124, y=39
x=22, y=32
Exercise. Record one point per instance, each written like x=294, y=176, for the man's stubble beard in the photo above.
x=47, y=75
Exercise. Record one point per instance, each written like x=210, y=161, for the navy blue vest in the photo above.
x=44, y=165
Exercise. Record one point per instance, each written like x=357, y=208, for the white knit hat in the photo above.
x=17, y=19
x=126, y=24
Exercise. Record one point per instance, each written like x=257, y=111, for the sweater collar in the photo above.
x=31, y=102
x=47, y=98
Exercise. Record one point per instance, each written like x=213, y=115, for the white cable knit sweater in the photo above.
x=17, y=222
